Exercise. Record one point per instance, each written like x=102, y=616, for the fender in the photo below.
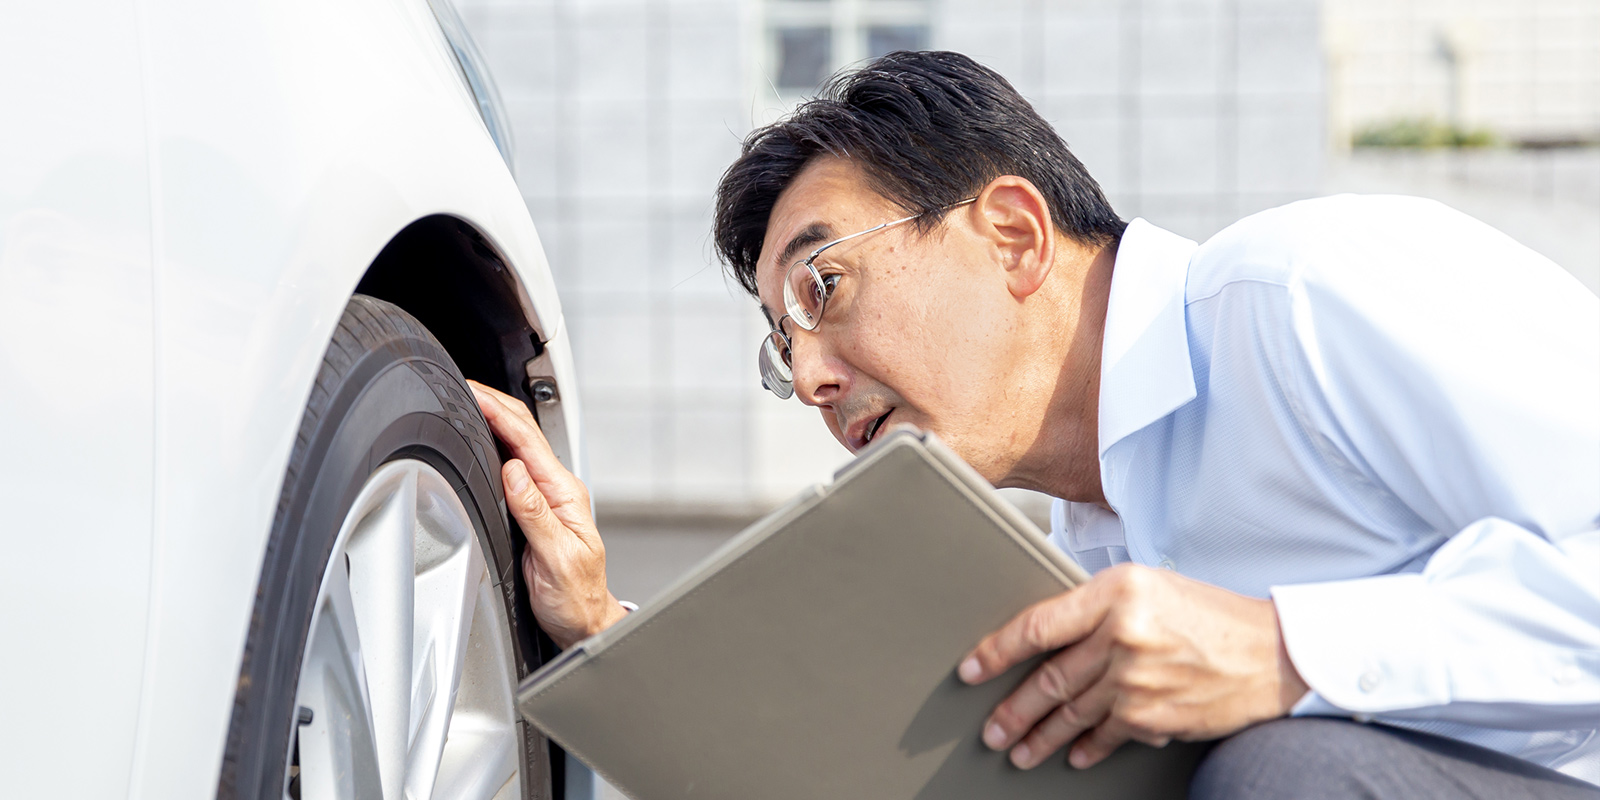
x=291, y=142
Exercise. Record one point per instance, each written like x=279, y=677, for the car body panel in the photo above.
x=76, y=387
x=284, y=143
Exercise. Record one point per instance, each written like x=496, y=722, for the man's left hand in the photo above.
x=565, y=561
x=1147, y=655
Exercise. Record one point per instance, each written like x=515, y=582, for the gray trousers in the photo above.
x=1312, y=758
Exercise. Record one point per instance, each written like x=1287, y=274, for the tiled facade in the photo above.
x=1525, y=69
x=1191, y=113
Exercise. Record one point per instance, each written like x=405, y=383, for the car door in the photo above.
x=76, y=392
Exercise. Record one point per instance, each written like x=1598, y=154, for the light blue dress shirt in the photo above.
x=1384, y=415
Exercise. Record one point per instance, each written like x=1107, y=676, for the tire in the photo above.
x=389, y=414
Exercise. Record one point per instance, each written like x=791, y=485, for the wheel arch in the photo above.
x=443, y=271
x=447, y=273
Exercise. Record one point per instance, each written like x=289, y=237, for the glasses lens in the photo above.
x=804, y=295
x=773, y=361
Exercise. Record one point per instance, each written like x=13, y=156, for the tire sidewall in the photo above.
x=402, y=398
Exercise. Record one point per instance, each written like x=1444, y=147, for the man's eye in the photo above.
x=829, y=282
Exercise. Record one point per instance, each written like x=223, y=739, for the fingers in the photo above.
x=556, y=507
x=1096, y=723
x=1090, y=711
x=528, y=506
x=1042, y=627
x=516, y=406
x=561, y=489
x=555, y=492
x=1055, y=686
x=518, y=430
x=1101, y=742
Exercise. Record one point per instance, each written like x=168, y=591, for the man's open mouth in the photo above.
x=872, y=430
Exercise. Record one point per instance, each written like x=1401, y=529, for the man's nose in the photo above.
x=819, y=376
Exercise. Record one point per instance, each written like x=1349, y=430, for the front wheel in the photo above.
x=383, y=651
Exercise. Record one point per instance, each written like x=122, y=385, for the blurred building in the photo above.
x=1526, y=71
x=1191, y=113
x=1523, y=75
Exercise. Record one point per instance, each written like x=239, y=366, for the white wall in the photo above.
x=1528, y=68
x=1190, y=113
x=1548, y=200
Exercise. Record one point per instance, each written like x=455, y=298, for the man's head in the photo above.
x=957, y=322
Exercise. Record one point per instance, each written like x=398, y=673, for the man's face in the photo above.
x=917, y=328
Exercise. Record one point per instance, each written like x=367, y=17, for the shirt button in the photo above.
x=1166, y=563
x=1362, y=717
x=1370, y=680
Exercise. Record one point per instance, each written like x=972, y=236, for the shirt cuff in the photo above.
x=1312, y=705
x=1364, y=646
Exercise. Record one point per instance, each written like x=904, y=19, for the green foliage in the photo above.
x=1421, y=132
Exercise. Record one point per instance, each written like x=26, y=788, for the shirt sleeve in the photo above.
x=1501, y=629
x=1460, y=372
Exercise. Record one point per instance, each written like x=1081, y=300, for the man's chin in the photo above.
x=966, y=448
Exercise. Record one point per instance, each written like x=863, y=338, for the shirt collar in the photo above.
x=1144, y=360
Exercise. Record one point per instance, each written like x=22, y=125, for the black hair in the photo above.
x=928, y=129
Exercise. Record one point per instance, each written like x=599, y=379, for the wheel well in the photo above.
x=442, y=271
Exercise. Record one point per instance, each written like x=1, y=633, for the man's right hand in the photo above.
x=564, y=562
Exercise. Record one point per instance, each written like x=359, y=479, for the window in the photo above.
x=808, y=40
x=882, y=39
x=805, y=56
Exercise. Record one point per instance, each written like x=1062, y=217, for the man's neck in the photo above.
x=1064, y=459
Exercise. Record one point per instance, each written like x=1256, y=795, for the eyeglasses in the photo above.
x=805, y=297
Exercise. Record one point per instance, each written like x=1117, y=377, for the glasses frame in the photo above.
x=777, y=346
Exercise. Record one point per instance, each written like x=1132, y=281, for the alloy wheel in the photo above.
x=405, y=688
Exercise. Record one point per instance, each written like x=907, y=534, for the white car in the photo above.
x=254, y=539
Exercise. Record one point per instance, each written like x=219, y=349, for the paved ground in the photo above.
x=644, y=556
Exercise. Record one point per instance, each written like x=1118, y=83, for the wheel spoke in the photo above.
x=337, y=754
x=446, y=559
x=382, y=588
x=480, y=758
x=418, y=705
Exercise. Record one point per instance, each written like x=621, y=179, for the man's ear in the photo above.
x=1014, y=216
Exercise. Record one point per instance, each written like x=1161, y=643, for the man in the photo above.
x=1337, y=469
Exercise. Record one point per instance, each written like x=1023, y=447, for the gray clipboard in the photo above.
x=813, y=655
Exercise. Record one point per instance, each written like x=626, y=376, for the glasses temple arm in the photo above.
x=889, y=224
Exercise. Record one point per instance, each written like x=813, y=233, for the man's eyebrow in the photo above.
x=815, y=233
